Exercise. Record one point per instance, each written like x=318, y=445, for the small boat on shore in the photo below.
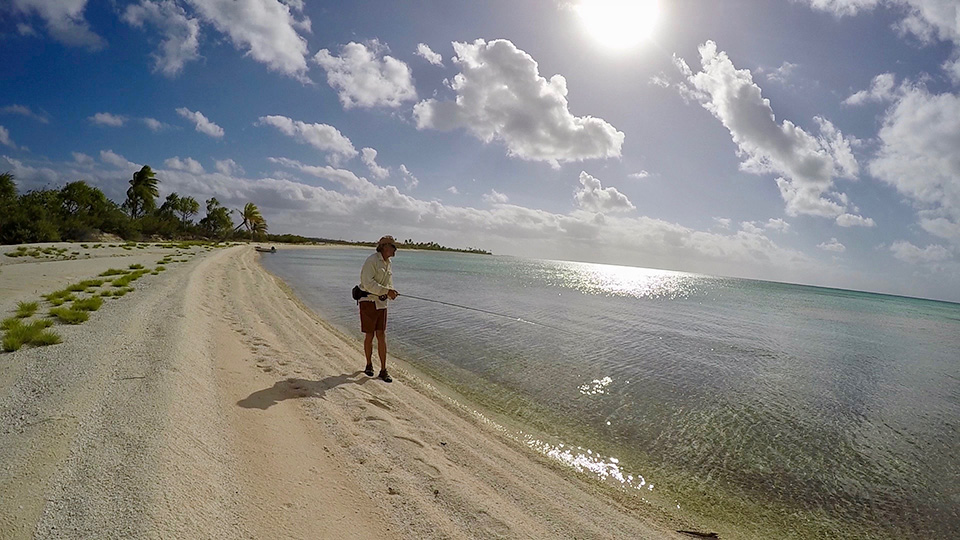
x=270, y=249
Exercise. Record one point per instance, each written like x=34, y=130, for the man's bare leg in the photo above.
x=381, y=348
x=368, y=348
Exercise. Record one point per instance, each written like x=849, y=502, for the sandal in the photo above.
x=385, y=376
x=368, y=371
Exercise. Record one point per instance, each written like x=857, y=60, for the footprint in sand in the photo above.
x=409, y=440
x=428, y=469
x=376, y=402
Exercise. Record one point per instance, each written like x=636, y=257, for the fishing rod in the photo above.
x=512, y=318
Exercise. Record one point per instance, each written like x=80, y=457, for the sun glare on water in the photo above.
x=619, y=24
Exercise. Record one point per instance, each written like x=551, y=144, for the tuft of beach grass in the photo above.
x=26, y=309
x=35, y=333
x=87, y=304
x=69, y=316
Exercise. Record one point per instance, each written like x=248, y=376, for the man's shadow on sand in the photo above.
x=297, y=388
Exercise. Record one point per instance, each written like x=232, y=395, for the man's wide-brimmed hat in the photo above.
x=387, y=240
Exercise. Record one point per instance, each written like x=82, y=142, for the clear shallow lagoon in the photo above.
x=787, y=411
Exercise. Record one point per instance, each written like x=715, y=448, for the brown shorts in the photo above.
x=371, y=318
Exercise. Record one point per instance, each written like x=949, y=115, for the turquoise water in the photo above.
x=780, y=410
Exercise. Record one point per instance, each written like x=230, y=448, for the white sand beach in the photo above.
x=211, y=403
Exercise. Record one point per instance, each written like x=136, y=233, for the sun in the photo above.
x=619, y=24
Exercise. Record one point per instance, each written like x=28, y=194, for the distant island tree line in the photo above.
x=80, y=212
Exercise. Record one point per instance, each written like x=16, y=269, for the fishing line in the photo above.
x=512, y=318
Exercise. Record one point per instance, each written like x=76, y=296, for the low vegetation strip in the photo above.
x=85, y=297
x=35, y=333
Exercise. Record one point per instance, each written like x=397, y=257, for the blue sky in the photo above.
x=810, y=141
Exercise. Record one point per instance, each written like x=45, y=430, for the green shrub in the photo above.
x=76, y=287
x=160, y=268
x=87, y=304
x=69, y=316
x=136, y=266
x=26, y=309
x=113, y=272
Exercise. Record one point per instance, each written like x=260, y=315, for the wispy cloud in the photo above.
x=832, y=245
x=808, y=164
x=5, y=138
x=108, y=119
x=320, y=136
x=64, y=20
x=369, y=157
x=23, y=110
x=181, y=33
x=907, y=252
x=201, y=123
x=424, y=51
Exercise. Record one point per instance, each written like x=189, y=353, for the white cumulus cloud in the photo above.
x=82, y=160
x=367, y=77
x=495, y=197
x=854, y=220
x=181, y=33
x=228, y=167
x=189, y=165
x=807, y=165
x=593, y=197
x=777, y=224
x=65, y=21
x=453, y=190
x=639, y=175
x=154, y=124
x=112, y=158
x=320, y=136
x=424, y=51
x=201, y=123
x=501, y=95
x=265, y=29
x=881, y=90
x=919, y=156
x=108, y=119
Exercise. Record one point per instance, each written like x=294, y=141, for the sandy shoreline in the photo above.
x=210, y=403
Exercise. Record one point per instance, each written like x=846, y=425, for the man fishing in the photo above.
x=377, y=280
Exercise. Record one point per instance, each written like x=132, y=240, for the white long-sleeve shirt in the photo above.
x=376, y=278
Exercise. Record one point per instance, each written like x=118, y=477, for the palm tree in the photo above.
x=142, y=194
x=251, y=220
